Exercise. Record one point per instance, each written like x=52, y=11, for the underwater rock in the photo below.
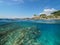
x=20, y=36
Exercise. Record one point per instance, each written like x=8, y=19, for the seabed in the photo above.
x=29, y=33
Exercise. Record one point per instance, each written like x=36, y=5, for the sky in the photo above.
x=27, y=8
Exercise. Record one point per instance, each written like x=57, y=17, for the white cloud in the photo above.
x=11, y=1
x=48, y=11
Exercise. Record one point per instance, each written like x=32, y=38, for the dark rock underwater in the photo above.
x=29, y=33
x=16, y=34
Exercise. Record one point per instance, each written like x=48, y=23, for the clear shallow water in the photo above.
x=49, y=33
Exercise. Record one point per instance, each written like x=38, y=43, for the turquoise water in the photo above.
x=50, y=34
x=37, y=32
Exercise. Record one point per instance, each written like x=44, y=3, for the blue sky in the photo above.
x=26, y=8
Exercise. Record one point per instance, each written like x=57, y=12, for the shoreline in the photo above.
x=31, y=19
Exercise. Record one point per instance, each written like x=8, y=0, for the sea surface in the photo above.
x=30, y=32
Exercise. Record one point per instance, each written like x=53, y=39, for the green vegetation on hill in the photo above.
x=54, y=15
x=35, y=15
x=43, y=15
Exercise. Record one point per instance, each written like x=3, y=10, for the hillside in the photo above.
x=54, y=15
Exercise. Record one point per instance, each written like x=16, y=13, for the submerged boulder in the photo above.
x=20, y=36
